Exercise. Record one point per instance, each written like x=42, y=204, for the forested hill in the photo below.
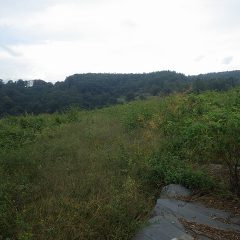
x=93, y=90
x=208, y=76
x=215, y=81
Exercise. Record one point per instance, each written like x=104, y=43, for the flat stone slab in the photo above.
x=165, y=222
x=163, y=228
x=195, y=212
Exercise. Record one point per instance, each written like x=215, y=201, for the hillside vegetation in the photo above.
x=95, y=90
x=96, y=174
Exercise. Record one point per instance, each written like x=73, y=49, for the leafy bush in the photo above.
x=170, y=169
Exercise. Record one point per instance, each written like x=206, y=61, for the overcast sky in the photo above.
x=51, y=39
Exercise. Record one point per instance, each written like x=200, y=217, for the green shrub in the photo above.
x=169, y=169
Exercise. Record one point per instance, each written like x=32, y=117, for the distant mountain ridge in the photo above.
x=225, y=74
x=94, y=90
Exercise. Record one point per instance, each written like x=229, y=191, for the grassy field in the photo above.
x=96, y=174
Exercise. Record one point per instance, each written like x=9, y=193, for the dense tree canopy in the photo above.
x=93, y=90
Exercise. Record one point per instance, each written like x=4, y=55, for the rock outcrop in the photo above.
x=174, y=219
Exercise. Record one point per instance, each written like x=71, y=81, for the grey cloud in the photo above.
x=37, y=35
x=11, y=8
x=13, y=36
x=21, y=7
x=129, y=23
x=10, y=51
x=227, y=60
x=199, y=58
x=14, y=69
x=225, y=15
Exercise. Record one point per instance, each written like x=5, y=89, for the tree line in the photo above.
x=95, y=90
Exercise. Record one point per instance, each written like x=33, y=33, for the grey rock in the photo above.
x=235, y=220
x=195, y=212
x=175, y=190
x=165, y=224
x=163, y=228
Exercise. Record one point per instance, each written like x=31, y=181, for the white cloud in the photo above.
x=58, y=38
x=227, y=60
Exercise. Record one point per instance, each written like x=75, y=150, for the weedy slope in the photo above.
x=95, y=174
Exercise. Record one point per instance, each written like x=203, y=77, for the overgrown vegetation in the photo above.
x=95, y=174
